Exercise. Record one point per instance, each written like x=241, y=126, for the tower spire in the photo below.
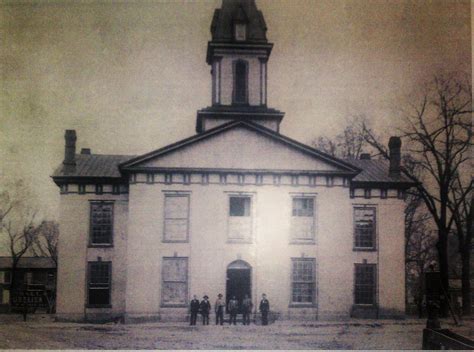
x=238, y=54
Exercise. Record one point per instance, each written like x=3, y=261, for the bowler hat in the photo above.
x=205, y=297
x=219, y=295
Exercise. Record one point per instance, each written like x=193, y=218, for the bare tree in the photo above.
x=348, y=144
x=17, y=224
x=438, y=135
x=46, y=243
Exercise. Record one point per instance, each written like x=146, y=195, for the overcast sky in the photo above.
x=129, y=77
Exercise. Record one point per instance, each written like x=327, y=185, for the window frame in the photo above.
x=111, y=241
x=354, y=227
x=314, y=300
x=88, y=283
x=178, y=194
x=249, y=238
x=374, y=288
x=162, y=281
x=299, y=240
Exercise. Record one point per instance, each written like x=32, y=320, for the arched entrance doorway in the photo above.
x=239, y=281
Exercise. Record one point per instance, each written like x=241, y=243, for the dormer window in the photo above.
x=240, y=31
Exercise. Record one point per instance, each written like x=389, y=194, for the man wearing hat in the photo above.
x=194, y=308
x=205, y=307
x=264, y=309
x=219, y=308
x=233, y=309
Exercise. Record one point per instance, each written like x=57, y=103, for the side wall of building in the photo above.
x=75, y=253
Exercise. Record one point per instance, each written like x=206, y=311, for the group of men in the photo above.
x=204, y=307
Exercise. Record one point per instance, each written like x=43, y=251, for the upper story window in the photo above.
x=101, y=223
x=240, y=218
x=240, y=31
x=176, y=218
x=240, y=95
x=364, y=228
x=302, y=219
x=99, y=284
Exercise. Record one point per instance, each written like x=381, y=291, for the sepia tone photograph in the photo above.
x=236, y=174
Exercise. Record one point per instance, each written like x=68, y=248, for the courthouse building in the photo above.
x=238, y=208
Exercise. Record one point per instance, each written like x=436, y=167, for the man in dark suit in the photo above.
x=233, y=309
x=194, y=308
x=264, y=309
x=246, y=309
x=205, y=307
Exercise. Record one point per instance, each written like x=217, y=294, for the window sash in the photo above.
x=101, y=223
x=365, y=284
x=99, y=283
x=364, y=227
x=239, y=206
x=303, y=281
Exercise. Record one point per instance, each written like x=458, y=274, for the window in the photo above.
x=302, y=219
x=176, y=218
x=303, y=281
x=240, y=31
x=364, y=228
x=82, y=189
x=101, y=223
x=364, y=286
x=5, y=277
x=98, y=286
x=174, y=281
x=240, y=82
x=240, y=218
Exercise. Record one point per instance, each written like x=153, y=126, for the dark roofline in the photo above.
x=253, y=126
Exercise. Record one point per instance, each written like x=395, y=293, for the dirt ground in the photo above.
x=41, y=332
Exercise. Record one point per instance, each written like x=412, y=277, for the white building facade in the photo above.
x=236, y=209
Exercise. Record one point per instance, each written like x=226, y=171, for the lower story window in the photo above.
x=365, y=284
x=303, y=281
x=99, y=283
x=174, y=282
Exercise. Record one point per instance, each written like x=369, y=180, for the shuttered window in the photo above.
x=302, y=219
x=176, y=218
x=174, y=281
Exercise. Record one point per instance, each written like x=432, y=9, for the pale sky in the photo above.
x=129, y=77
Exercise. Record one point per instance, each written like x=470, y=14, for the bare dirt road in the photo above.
x=43, y=333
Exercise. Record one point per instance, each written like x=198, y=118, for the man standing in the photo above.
x=264, y=309
x=194, y=307
x=233, y=309
x=205, y=307
x=246, y=310
x=219, y=308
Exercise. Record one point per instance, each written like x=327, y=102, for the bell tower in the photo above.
x=238, y=55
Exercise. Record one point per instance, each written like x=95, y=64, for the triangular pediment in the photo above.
x=240, y=146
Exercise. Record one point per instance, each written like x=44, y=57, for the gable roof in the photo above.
x=344, y=166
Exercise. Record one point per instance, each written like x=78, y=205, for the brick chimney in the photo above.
x=394, y=145
x=70, y=152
